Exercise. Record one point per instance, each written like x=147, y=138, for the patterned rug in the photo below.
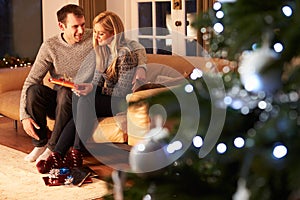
x=20, y=180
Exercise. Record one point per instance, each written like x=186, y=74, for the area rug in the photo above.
x=20, y=180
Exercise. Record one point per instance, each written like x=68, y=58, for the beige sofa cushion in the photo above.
x=163, y=65
x=138, y=122
x=10, y=105
x=111, y=129
x=12, y=79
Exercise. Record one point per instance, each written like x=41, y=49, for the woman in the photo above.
x=119, y=63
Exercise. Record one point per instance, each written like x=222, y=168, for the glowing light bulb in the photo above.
x=197, y=141
x=175, y=146
x=245, y=110
x=237, y=104
x=278, y=47
x=279, y=151
x=221, y=148
x=197, y=73
x=217, y=6
x=218, y=27
x=227, y=100
x=287, y=11
x=252, y=83
x=262, y=105
x=239, y=142
x=220, y=14
x=141, y=147
x=188, y=88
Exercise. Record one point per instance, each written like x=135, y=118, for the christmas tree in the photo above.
x=255, y=154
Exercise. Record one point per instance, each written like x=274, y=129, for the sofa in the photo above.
x=164, y=71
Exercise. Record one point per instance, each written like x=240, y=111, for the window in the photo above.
x=166, y=29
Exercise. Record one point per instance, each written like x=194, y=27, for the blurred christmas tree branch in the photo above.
x=256, y=155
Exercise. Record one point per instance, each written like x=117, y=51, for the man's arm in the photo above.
x=40, y=67
x=38, y=71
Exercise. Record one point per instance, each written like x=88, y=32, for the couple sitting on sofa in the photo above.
x=111, y=65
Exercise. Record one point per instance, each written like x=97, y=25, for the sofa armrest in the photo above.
x=144, y=94
x=13, y=79
x=139, y=121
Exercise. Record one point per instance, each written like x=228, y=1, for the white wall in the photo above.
x=49, y=9
x=123, y=9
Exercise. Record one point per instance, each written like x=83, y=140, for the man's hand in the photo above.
x=28, y=125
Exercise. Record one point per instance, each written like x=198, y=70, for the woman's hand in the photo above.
x=139, y=77
x=82, y=89
x=140, y=74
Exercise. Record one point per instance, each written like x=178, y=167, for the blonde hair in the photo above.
x=112, y=23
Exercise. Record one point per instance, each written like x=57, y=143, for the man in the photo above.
x=62, y=56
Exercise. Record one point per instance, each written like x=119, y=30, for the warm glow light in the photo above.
x=226, y=69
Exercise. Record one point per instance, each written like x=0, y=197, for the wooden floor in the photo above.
x=19, y=140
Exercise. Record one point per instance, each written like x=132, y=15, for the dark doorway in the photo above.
x=5, y=28
x=20, y=28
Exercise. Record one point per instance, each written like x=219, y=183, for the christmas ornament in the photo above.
x=251, y=66
x=242, y=192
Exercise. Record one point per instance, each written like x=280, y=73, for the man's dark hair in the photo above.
x=70, y=8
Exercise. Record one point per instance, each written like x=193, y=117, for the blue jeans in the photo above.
x=87, y=110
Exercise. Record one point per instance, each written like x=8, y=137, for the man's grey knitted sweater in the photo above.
x=59, y=58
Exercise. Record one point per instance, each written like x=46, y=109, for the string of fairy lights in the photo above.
x=241, y=99
x=14, y=62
